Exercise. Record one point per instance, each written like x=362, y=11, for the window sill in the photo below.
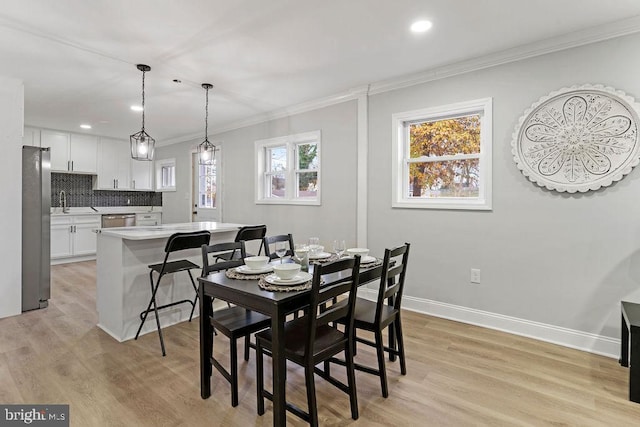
x=314, y=202
x=451, y=204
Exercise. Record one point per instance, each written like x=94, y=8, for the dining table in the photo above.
x=276, y=304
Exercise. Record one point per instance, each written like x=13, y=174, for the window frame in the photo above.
x=401, y=156
x=160, y=165
x=292, y=172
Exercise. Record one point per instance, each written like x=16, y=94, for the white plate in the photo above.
x=246, y=270
x=321, y=255
x=299, y=278
x=365, y=259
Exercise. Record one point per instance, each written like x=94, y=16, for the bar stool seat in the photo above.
x=176, y=242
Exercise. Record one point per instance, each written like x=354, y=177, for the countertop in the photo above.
x=166, y=230
x=100, y=210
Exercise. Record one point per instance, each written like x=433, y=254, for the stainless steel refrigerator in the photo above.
x=36, y=234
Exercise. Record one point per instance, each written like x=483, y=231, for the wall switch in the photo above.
x=475, y=275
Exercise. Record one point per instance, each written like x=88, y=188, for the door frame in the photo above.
x=219, y=184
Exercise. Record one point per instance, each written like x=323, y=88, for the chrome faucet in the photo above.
x=62, y=201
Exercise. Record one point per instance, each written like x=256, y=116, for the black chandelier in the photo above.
x=206, y=150
x=142, y=144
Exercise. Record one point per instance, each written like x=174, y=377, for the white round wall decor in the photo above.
x=578, y=139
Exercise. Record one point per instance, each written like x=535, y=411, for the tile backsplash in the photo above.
x=79, y=191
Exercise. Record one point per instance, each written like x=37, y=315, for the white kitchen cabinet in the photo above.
x=31, y=136
x=149, y=219
x=72, y=236
x=59, y=144
x=61, y=237
x=141, y=175
x=83, y=153
x=71, y=152
x=114, y=164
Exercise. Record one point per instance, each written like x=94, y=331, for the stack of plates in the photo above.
x=246, y=270
x=298, y=279
x=319, y=255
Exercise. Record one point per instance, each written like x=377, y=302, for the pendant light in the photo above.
x=206, y=150
x=142, y=144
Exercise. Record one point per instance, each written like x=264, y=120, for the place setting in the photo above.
x=254, y=268
x=286, y=277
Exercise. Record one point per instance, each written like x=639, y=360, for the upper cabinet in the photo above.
x=71, y=152
x=114, y=167
x=31, y=136
x=83, y=153
x=141, y=175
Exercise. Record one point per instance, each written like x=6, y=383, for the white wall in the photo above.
x=558, y=259
x=11, y=123
x=554, y=266
x=335, y=218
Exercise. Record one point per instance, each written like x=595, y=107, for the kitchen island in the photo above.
x=123, y=290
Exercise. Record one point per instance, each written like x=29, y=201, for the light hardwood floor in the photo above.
x=458, y=375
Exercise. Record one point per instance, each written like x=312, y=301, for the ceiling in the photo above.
x=77, y=58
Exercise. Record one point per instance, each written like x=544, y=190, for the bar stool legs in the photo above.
x=144, y=314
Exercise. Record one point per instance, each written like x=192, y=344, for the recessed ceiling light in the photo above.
x=421, y=26
x=136, y=108
x=83, y=126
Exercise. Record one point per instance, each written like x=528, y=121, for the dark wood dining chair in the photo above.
x=246, y=234
x=268, y=242
x=313, y=338
x=375, y=316
x=175, y=243
x=234, y=322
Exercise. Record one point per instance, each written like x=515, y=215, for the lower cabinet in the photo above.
x=73, y=236
x=149, y=219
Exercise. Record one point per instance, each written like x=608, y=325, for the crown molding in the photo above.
x=542, y=47
x=518, y=53
x=348, y=95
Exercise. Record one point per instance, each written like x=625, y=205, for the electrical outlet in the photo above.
x=475, y=275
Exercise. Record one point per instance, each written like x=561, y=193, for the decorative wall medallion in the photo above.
x=578, y=139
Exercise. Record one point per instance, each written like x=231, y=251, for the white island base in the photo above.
x=123, y=289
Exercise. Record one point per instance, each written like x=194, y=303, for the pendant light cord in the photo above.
x=143, y=73
x=206, y=117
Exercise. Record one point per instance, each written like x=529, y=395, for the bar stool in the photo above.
x=176, y=242
x=246, y=234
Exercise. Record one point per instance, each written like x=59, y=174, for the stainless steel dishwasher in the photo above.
x=118, y=220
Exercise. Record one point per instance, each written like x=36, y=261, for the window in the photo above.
x=288, y=169
x=166, y=175
x=207, y=185
x=442, y=157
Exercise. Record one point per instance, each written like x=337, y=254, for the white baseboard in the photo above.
x=584, y=341
x=57, y=261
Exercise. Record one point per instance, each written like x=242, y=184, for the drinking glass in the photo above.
x=281, y=250
x=301, y=254
x=314, y=244
x=339, y=247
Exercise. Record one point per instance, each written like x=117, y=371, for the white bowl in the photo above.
x=256, y=262
x=363, y=252
x=286, y=271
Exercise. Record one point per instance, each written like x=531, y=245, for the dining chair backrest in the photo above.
x=208, y=267
x=272, y=240
x=330, y=281
x=252, y=232
x=394, y=269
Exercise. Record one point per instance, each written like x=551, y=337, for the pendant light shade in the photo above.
x=142, y=144
x=206, y=150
